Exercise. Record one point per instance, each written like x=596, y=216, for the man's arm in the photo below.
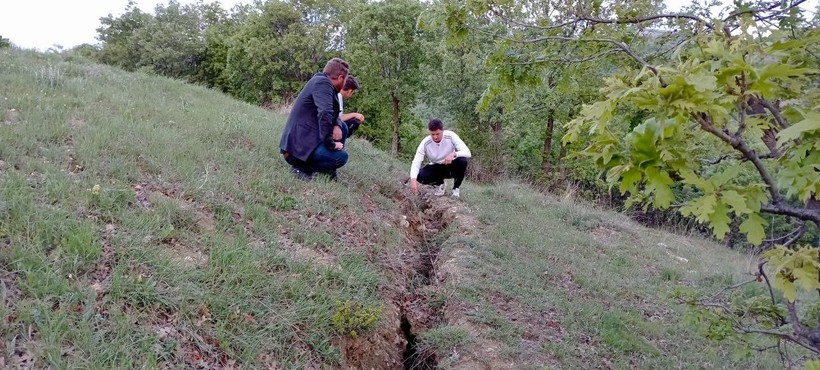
x=347, y=116
x=416, y=165
x=462, y=151
x=324, y=96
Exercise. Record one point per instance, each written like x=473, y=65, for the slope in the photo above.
x=149, y=223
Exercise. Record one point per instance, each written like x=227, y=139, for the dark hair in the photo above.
x=336, y=67
x=351, y=83
x=435, y=124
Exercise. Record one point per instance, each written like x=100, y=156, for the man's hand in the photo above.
x=338, y=146
x=358, y=116
x=414, y=185
x=449, y=158
x=337, y=133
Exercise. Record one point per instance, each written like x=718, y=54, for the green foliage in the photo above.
x=701, y=110
x=795, y=269
x=269, y=55
x=352, y=318
x=385, y=52
x=4, y=42
x=119, y=35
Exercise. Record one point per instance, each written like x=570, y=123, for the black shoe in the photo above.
x=302, y=175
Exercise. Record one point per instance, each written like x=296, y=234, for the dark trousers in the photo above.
x=434, y=174
x=321, y=160
x=348, y=128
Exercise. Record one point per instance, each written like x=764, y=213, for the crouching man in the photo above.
x=448, y=159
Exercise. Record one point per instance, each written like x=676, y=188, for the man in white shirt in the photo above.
x=448, y=159
x=350, y=121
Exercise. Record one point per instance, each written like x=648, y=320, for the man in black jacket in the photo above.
x=307, y=141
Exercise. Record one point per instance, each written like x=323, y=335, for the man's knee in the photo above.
x=341, y=158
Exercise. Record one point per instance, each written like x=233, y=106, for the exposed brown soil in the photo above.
x=602, y=233
x=13, y=117
x=299, y=251
x=413, y=275
x=192, y=346
x=381, y=349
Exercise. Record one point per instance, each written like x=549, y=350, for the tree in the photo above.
x=719, y=119
x=735, y=121
x=385, y=53
x=272, y=53
x=173, y=41
x=4, y=42
x=118, y=37
x=539, y=78
x=453, y=80
x=731, y=88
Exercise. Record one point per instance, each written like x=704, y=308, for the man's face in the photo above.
x=437, y=135
x=346, y=94
x=339, y=82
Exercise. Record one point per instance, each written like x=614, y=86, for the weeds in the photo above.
x=352, y=318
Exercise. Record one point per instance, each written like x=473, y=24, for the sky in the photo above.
x=42, y=24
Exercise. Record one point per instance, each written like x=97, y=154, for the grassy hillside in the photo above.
x=149, y=223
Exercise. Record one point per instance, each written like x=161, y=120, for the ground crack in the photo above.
x=417, y=314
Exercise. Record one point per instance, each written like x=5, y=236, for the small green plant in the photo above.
x=352, y=317
x=668, y=274
x=286, y=203
x=108, y=201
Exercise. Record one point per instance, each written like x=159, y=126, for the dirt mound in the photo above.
x=382, y=349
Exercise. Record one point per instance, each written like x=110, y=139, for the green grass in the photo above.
x=201, y=274
x=149, y=223
x=559, y=284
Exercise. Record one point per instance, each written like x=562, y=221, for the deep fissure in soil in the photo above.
x=427, y=250
x=412, y=356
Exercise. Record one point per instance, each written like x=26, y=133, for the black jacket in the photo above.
x=311, y=119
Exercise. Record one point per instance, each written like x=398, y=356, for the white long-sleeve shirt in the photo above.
x=436, y=152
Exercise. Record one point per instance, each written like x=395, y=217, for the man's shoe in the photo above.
x=440, y=191
x=302, y=175
x=456, y=193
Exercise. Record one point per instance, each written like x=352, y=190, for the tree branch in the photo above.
x=620, y=44
x=778, y=117
x=791, y=236
x=774, y=5
x=564, y=60
x=712, y=162
x=739, y=145
x=798, y=327
x=527, y=25
x=774, y=333
x=738, y=285
x=742, y=107
x=673, y=47
x=648, y=18
x=777, y=205
x=768, y=283
x=781, y=207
